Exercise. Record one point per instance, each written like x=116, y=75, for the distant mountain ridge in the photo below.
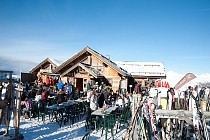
x=16, y=65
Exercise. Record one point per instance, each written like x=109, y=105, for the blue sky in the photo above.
x=175, y=32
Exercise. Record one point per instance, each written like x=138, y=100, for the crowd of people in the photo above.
x=53, y=89
x=107, y=97
x=46, y=93
x=203, y=95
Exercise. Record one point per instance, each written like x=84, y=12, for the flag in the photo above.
x=188, y=77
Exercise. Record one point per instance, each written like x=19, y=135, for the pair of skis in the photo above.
x=149, y=115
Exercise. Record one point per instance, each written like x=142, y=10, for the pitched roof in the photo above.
x=54, y=62
x=87, y=68
x=97, y=55
x=143, y=69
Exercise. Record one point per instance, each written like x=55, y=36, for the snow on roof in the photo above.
x=143, y=68
x=57, y=62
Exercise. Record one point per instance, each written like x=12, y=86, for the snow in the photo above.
x=37, y=130
x=56, y=62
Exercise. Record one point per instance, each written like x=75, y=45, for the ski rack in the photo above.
x=187, y=116
x=184, y=117
x=142, y=123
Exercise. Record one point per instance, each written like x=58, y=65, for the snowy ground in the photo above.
x=34, y=130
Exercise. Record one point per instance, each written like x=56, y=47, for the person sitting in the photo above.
x=27, y=107
x=126, y=100
x=69, y=90
x=60, y=96
x=120, y=101
x=113, y=97
x=38, y=97
x=107, y=93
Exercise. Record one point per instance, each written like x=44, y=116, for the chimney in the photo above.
x=108, y=57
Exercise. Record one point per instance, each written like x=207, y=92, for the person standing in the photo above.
x=202, y=93
x=89, y=93
x=69, y=90
x=88, y=86
x=137, y=88
x=1, y=87
x=93, y=101
x=60, y=85
x=47, y=81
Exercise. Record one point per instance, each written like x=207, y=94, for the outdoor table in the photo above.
x=84, y=98
x=105, y=114
x=54, y=110
x=99, y=112
x=57, y=111
x=67, y=104
x=80, y=100
x=51, y=100
x=51, y=97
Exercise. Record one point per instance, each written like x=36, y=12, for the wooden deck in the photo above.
x=179, y=114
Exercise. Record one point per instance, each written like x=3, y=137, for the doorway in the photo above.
x=79, y=84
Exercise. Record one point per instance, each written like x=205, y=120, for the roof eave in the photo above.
x=70, y=60
x=106, y=62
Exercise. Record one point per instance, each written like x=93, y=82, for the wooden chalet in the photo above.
x=90, y=66
x=45, y=68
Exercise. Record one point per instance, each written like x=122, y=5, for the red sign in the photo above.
x=163, y=84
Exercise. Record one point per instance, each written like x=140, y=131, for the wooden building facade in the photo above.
x=45, y=68
x=88, y=66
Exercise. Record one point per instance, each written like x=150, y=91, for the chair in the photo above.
x=41, y=110
x=107, y=123
x=53, y=101
x=122, y=116
x=88, y=119
x=81, y=110
x=86, y=136
x=27, y=111
x=76, y=112
x=73, y=114
x=60, y=116
x=67, y=115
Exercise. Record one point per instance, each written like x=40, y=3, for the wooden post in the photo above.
x=19, y=108
x=17, y=117
x=14, y=109
x=7, y=115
